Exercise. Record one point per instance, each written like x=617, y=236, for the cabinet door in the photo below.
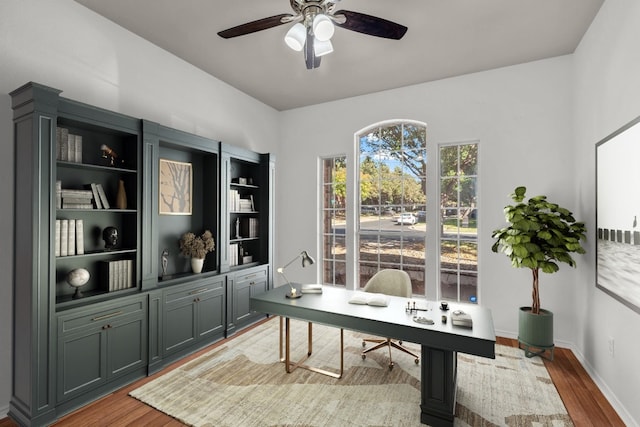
x=126, y=340
x=246, y=285
x=92, y=348
x=210, y=308
x=82, y=362
x=179, y=324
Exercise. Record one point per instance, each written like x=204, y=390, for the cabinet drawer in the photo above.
x=96, y=316
x=255, y=275
x=193, y=290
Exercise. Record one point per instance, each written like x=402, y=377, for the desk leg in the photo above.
x=438, y=382
x=291, y=366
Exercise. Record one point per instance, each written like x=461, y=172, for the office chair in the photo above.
x=389, y=282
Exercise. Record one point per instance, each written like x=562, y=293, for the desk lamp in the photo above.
x=306, y=260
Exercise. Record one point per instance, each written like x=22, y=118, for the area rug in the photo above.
x=242, y=383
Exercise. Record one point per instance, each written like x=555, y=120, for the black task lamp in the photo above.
x=306, y=260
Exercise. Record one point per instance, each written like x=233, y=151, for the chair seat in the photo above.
x=389, y=282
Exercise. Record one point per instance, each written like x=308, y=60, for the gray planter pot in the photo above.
x=535, y=331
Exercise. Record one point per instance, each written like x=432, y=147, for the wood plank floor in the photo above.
x=585, y=403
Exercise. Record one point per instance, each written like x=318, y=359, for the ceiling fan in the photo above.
x=314, y=22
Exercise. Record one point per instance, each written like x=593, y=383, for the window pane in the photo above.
x=333, y=220
x=459, y=222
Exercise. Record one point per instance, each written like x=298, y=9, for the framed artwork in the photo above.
x=175, y=184
x=618, y=215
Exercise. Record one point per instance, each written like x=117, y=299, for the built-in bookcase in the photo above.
x=95, y=149
x=247, y=228
x=80, y=164
x=199, y=157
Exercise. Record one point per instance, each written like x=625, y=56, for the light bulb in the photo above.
x=296, y=37
x=322, y=48
x=322, y=27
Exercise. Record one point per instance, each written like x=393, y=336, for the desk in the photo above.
x=440, y=342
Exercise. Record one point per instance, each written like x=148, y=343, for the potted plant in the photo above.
x=196, y=247
x=539, y=236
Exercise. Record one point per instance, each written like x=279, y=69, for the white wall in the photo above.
x=607, y=96
x=66, y=46
x=522, y=117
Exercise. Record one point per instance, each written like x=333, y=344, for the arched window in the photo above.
x=392, y=182
x=403, y=203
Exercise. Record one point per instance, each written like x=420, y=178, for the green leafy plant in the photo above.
x=196, y=246
x=540, y=234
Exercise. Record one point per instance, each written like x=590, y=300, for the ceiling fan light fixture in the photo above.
x=296, y=37
x=323, y=28
x=322, y=48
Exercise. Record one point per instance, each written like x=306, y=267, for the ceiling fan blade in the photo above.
x=253, y=26
x=370, y=25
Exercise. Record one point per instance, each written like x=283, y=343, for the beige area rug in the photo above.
x=242, y=383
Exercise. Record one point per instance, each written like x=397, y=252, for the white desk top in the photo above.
x=332, y=308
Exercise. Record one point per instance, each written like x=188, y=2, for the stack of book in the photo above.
x=249, y=227
x=117, y=275
x=233, y=254
x=69, y=237
x=68, y=146
x=239, y=204
x=93, y=196
x=460, y=318
x=99, y=196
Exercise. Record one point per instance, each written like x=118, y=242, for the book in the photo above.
x=78, y=148
x=63, y=148
x=71, y=237
x=82, y=194
x=79, y=200
x=103, y=196
x=58, y=194
x=64, y=236
x=79, y=237
x=67, y=205
x=129, y=264
x=460, y=318
x=96, y=196
x=56, y=248
x=71, y=148
x=311, y=289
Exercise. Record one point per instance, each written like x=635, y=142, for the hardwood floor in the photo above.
x=585, y=403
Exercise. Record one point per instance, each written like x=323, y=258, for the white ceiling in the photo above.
x=445, y=38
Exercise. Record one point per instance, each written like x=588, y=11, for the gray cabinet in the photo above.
x=98, y=344
x=130, y=321
x=193, y=315
x=241, y=286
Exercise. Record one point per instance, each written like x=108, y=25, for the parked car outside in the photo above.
x=406, y=218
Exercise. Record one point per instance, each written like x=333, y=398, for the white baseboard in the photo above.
x=604, y=388
x=606, y=391
x=4, y=411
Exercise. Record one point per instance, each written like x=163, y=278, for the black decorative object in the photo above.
x=110, y=237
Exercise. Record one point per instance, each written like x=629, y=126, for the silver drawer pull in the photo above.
x=198, y=291
x=106, y=316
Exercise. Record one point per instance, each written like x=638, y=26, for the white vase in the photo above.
x=196, y=264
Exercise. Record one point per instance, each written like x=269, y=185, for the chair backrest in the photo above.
x=390, y=282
